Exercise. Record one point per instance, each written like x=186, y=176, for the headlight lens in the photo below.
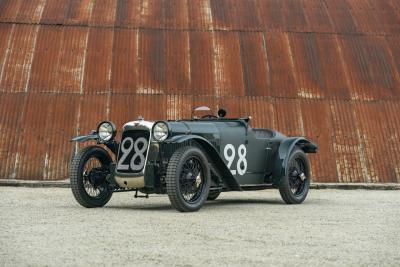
x=160, y=131
x=106, y=131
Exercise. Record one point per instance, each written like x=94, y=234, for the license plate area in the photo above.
x=132, y=154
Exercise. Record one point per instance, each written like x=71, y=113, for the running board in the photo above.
x=250, y=187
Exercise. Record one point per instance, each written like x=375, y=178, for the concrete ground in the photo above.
x=45, y=226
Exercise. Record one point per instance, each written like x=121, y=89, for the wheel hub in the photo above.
x=96, y=177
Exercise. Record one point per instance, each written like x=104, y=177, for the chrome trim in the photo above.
x=130, y=182
x=134, y=180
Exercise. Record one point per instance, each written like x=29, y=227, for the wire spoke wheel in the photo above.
x=88, y=171
x=297, y=176
x=191, y=180
x=89, y=184
x=295, y=184
x=188, y=179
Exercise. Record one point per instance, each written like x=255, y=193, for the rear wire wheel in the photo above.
x=88, y=172
x=188, y=179
x=295, y=184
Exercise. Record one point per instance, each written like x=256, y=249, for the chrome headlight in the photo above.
x=106, y=131
x=160, y=131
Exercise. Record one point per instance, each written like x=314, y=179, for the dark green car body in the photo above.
x=240, y=157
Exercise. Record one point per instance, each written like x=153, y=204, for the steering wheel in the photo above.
x=209, y=116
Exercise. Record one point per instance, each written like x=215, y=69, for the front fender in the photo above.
x=286, y=147
x=214, y=157
x=84, y=138
x=112, y=145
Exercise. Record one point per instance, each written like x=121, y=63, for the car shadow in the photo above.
x=208, y=205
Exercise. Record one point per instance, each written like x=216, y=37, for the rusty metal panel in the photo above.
x=103, y=13
x=177, y=62
x=260, y=109
x=342, y=20
x=271, y=16
x=128, y=13
x=176, y=14
x=42, y=151
x=349, y=151
x=246, y=15
x=152, y=14
x=222, y=14
x=374, y=138
x=44, y=70
x=255, y=63
x=308, y=71
x=79, y=12
x=366, y=21
x=32, y=146
x=394, y=49
x=280, y=65
x=358, y=5
x=388, y=21
x=393, y=142
x=395, y=4
x=295, y=18
x=98, y=60
x=55, y=11
x=369, y=67
x=58, y=149
x=151, y=62
x=288, y=116
x=123, y=109
x=201, y=62
x=317, y=125
x=92, y=110
x=199, y=12
x=31, y=11
x=335, y=82
x=124, y=65
x=18, y=60
x=228, y=67
x=9, y=10
x=72, y=57
x=318, y=19
x=5, y=35
x=178, y=106
x=11, y=107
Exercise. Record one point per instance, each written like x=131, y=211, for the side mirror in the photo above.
x=221, y=113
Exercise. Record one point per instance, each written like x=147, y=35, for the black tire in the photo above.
x=179, y=165
x=213, y=195
x=293, y=188
x=80, y=183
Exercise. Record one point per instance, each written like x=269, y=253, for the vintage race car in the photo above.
x=190, y=160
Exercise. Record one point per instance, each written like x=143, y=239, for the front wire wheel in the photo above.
x=88, y=172
x=188, y=179
x=295, y=184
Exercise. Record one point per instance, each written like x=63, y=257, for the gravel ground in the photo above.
x=45, y=226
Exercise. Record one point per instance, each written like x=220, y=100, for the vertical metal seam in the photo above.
x=84, y=61
x=31, y=59
x=3, y=65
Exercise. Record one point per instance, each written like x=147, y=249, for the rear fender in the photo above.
x=286, y=147
x=214, y=157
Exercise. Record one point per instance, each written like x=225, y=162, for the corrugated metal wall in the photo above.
x=329, y=70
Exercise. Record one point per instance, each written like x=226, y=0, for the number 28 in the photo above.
x=230, y=153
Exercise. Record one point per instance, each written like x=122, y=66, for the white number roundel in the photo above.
x=139, y=146
x=230, y=153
